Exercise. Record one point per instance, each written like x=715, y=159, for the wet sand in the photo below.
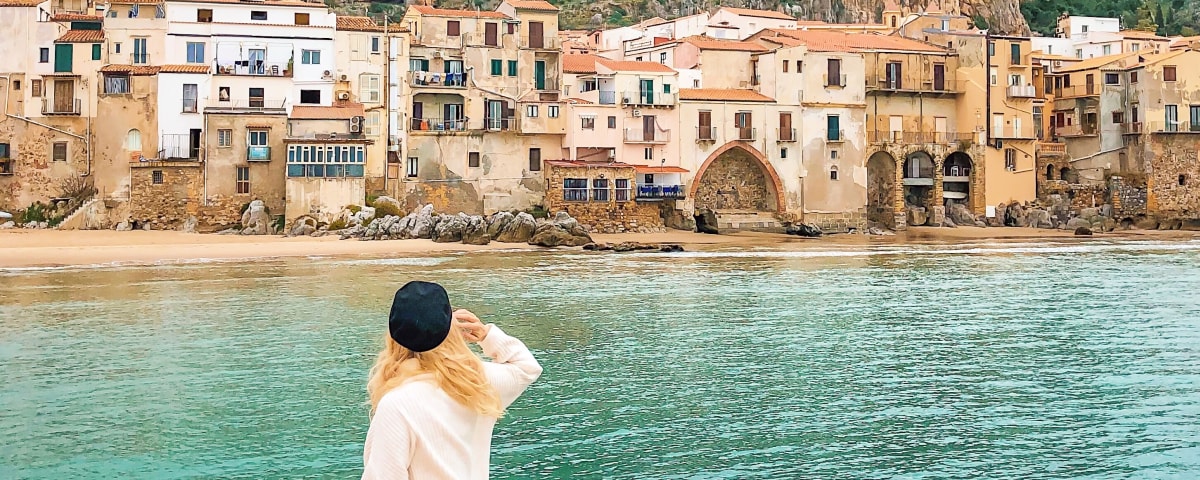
x=50, y=248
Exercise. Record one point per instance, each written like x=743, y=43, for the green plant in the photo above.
x=964, y=145
x=371, y=198
x=36, y=212
x=338, y=224
x=279, y=222
x=354, y=209
x=538, y=211
x=385, y=209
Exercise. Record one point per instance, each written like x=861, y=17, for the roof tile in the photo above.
x=579, y=63
x=1097, y=62
x=81, y=36
x=708, y=43
x=130, y=69
x=75, y=17
x=442, y=12
x=628, y=66
x=835, y=41
x=357, y=24
x=533, y=5
x=183, y=69
x=20, y=3
x=723, y=94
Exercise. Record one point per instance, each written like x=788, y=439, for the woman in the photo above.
x=433, y=402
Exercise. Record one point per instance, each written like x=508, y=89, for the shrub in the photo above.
x=338, y=224
x=36, y=212
x=354, y=209
x=280, y=223
x=76, y=188
x=538, y=211
x=385, y=209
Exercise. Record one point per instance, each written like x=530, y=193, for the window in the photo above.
x=696, y=83
x=588, y=122
x=301, y=19
x=1010, y=159
x=833, y=128
x=243, y=180
x=133, y=140
x=704, y=128
x=1107, y=49
x=662, y=58
x=1135, y=47
x=785, y=66
x=203, y=15
x=648, y=153
x=833, y=173
x=535, y=160
x=374, y=44
x=497, y=66
x=190, y=96
x=945, y=24
x=224, y=137
x=834, y=73
x=1194, y=125
x=991, y=49
x=116, y=84
x=36, y=87
x=325, y=161
x=256, y=97
x=44, y=55
x=1085, y=29
x=1015, y=80
x=783, y=152
x=994, y=77
x=195, y=52
x=310, y=57
x=552, y=112
x=452, y=28
x=1169, y=73
x=1015, y=50
x=1182, y=180
x=1118, y=117
x=358, y=47
x=473, y=159
x=531, y=111
x=371, y=124
x=257, y=138
x=310, y=96
x=1171, y=114
x=156, y=177
x=622, y=186
x=96, y=51
x=799, y=67
x=512, y=68
x=1078, y=53
x=575, y=189
x=666, y=88
x=258, y=15
x=1133, y=77
x=612, y=121
x=588, y=85
x=412, y=167
x=1111, y=79
x=600, y=189
x=369, y=86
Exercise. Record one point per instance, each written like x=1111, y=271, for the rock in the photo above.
x=7, y=225
x=255, y=220
x=497, y=222
x=1015, y=216
x=670, y=248
x=189, y=225
x=363, y=216
x=917, y=216
x=1083, y=232
x=1170, y=224
x=562, y=230
x=5, y=216
x=476, y=231
x=706, y=221
x=960, y=214
x=633, y=246
x=1089, y=213
x=1077, y=222
x=303, y=226
x=356, y=231
x=423, y=222
x=519, y=230
x=1106, y=210
x=948, y=223
x=803, y=230
x=937, y=215
x=449, y=229
x=596, y=247
x=878, y=231
x=1190, y=224
x=1146, y=223
x=124, y=226
x=1038, y=218
x=1000, y=218
x=386, y=200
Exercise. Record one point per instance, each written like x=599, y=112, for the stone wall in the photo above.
x=167, y=205
x=603, y=217
x=1128, y=198
x=736, y=181
x=1174, y=175
x=838, y=222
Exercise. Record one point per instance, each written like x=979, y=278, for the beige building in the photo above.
x=327, y=159
x=361, y=54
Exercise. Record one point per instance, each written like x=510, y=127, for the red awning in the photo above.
x=664, y=169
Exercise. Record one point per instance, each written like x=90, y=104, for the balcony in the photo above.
x=746, y=134
x=437, y=79
x=638, y=135
x=1022, y=91
x=1131, y=128
x=657, y=192
x=1077, y=91
x=177, y=147
x=139, y=59
x=835, y=136
x=432, y=124
x=252, y=68
x=248, y=105
x=61, y=107
x=547, y=85
x=785, y=134
x=886, y=86
x=258, y=153
x=913, y=138
x=500, y=124
x=647, y=99
x=1174, y=127
x=548, y=42
x=706, y=134
x=1051, y=149
x=1014, y=133
x=1076, y=131
x=838, y=81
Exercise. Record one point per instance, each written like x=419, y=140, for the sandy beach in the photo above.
x=50, y=248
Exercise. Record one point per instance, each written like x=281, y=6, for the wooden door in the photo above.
x=741, y=120
x=489, y=34
x=63, y=57
x=64, y=95
x=785, y=126
x=539, y=74
x=418, y=115
x=1091, y=84
x=648, y=126
x=535, y=35
x=939, y=77
x=705, y=126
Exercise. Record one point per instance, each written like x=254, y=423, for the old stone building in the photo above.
x=603, y=196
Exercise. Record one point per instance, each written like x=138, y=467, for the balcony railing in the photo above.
x=1022, y=91
x=1014, y=133
x=139, y=59
x=833, y=136
x=549, y=42
x=785, y=134
x=255, y=68
x=638, y=135
x=437, y=79
x=746, y=134
x=608, y=98
x=258, y=153
x=647, y=98
x=706, y=134
x=1174, y=127
x=431, y=124
x=499, y=124
x=177, y=147
x=834, y=82
x=1077, y=91
x=653, y=191
x=927, y=85
x=1076, y=130
x=252, y=104
x=1131, y=128
x=69, y=107
x=1051, y=149
x=547, y=85
x=883, y=136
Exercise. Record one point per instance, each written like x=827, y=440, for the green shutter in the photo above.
x=63, y=53
x=666, y=88
x=497, y=67
x=512, y=68
x=95, y=51
x=833, y=126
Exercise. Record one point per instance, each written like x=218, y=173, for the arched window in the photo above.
x=833, y=173
x=1064, y=175
x=1049, y=172
x=133, y=140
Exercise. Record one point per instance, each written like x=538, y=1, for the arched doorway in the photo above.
x=737, y=178
x=881, y=189
x=956, y=180
x=918, y=180
x=1067, y=175
x=1050, y=172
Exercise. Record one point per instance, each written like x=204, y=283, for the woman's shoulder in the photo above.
x=403, y=394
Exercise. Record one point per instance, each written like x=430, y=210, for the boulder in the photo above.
x=1089, y=213
x=476, y=231
x=937, y=215
x=303, y=226
x=562, y=230
x=1001, y=216
x=1146, y=223
x=126, y=226
x=948, y=223
x=1077, y=222
x=632, y=246
x=7, y=225
x=917, y=216
x=423, y=222
x=256, y=220
x=960, y=214
x=356, y=231
x=1038, y=218
x=1170, y=224
x=386, y=200
x=497, y=222
x=596, y=247
x=706, y=221
x=1106, y=210
x=803, y=230
x=362, y=217
x=1015, y=216
x=670, y=248
x=449, y=228
x=1083, y=232
x=519, y=230
x=1190, y=224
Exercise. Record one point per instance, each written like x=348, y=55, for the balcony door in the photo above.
x=742, y=121
x=785, y=126
x=194, y=143
x=646, y=92
x=64, y=95
x=452, y=116
x=495, y=114
x=893, y=75
x=1172, y=118
x=140, y=56
x=939, y=77
x=648, y=126
x=535, y=35
x=705, y=130
x=258, y=61
x=539, y=74
x=490, y=35
x=1091, y=84
x=1194, y=125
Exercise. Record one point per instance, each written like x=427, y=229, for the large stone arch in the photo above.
x=881, y=188
x=737, y=177
x=918, y=173
x=958, y=180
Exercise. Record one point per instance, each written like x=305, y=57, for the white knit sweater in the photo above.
x=420, y=433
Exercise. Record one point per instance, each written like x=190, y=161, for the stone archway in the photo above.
x=918, y=180
x=881, y=189
x=958, y=174
x=737, y=177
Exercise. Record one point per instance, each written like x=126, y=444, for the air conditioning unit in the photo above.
x=328, y=75
x=356, y=124
x=637, y=113
x=1058, y=63
x=343, y=95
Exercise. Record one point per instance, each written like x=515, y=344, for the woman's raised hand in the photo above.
x=473, y=329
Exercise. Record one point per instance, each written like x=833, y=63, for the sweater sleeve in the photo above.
x=388, y=449
x=512, y=367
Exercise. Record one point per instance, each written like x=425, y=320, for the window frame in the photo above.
x=310, y=57
x=573, y=192
x=54, y=151
x=552, y=111
x=258, y=13
x=242, y=180
x=224, y=137
x=411, y=168
x=599, y=191
x=587, y=122
x=531, y=111
x=194, y=48
x=157, y=177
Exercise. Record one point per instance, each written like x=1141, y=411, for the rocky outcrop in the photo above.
x=633, y=247
x=508, y=228
x=424, y=223
x=706, y=221
x=1083, y=232
x=917, y=216
x=450, y=228
x=476, y=231
x=256, y=220
x=303, y=226
x=803, y=230
x=561, y=231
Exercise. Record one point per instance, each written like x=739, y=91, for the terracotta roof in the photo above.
x=578, y=101
x=81, y=36
x=183, y=69
x=533, y=5
x=358, y=24
x=578, y=163
x=337, y=112
x=284, y=3
x=1141, y=35
x=723, y=94
x=1183, y=42
x=1097, y=62
x=706, y=43
x=1153, y=59
x=627, y=66
x=650, y=169
x=747, y=12
x=835, y=41
x=75, y=17
x=579, y=63
x=442, y=12
x=1047, y=56
x=130, y=69
x=21, y=3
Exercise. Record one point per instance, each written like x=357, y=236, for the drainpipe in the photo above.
x=987, y=86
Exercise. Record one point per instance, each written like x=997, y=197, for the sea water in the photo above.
x=925, y=361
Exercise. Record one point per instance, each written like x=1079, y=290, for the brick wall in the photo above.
x=599, y=216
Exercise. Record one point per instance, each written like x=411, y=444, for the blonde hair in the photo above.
x=455, y=369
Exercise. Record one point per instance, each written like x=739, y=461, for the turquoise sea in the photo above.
x=1021, y=361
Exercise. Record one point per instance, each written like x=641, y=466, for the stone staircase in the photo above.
x=748, y=221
